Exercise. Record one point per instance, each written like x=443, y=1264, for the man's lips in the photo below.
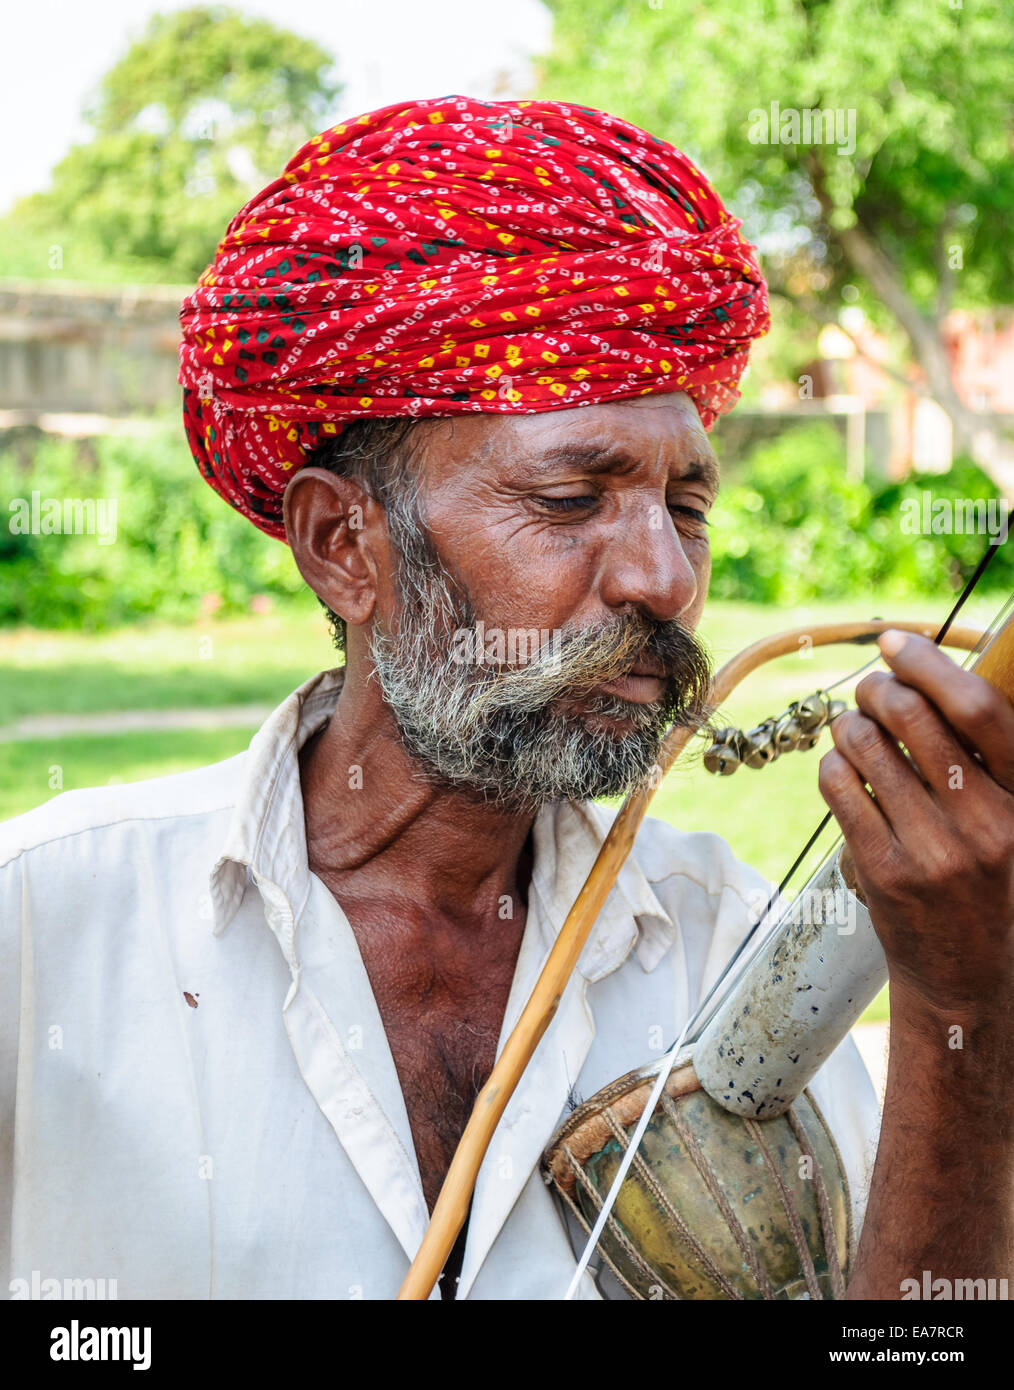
x=641, y=684
x=639, y=687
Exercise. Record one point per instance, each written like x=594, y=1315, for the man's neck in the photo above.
x=374, y=825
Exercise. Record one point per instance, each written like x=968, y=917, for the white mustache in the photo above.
x=586, y=660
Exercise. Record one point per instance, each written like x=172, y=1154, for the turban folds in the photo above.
x=447, y=256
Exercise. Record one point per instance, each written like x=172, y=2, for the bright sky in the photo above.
x=57, y=50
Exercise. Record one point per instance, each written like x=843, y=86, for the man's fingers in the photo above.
x=980, y=714
x=901, y=796
x=917, y=723
x=862, y=822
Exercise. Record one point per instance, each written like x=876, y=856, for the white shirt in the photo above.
x=258, y=1146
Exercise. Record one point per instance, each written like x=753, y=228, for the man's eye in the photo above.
x=693, y=512
x=566, y=504
x=584, y=502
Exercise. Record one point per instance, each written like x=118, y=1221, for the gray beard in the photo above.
x=503, y=733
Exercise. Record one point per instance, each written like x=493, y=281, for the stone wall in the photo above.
x=88, y=349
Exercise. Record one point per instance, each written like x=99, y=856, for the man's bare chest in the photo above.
x=442, y=1066
x=442, y=1015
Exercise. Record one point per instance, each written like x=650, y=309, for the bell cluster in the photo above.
x=799, y=727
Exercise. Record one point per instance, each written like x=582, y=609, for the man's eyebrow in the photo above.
x=612, y=458
x=703, y=468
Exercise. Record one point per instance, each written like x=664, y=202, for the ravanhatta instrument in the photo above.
x=736, y=1189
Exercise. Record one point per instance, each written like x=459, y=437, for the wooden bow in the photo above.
x=452, y=1204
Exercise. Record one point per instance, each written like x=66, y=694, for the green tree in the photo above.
x=200, y=113
x=916, y=218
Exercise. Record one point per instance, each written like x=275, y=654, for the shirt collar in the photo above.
x=266, y=840
x=266, y=843
x=568, y=837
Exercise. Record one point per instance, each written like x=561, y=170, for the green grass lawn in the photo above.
x=36, y=769
x=157, y=666
x=766, y=815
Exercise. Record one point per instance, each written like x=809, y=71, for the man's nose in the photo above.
x=646, y=567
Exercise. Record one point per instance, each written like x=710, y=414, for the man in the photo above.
x=463, y=357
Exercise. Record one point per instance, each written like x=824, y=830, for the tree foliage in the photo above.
x=175, y=541
x=915, y=219
x=201, y=112
x=791, y=527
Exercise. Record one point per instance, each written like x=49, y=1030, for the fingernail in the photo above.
x=892, y=641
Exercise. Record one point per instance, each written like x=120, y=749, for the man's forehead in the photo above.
x=613, y=456
x=597, y=439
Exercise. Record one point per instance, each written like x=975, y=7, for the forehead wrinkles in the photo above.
x=615, y=438
x=605, y=457
x=472, y=453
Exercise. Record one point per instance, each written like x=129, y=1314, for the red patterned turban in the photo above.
x=452, y=255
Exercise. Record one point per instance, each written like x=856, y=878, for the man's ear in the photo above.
x=336, y=531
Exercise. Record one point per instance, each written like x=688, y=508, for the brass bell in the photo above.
x=726, y=752
x=760, y=745
x=787, y=731
x=799, y=727
x=812, y=712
